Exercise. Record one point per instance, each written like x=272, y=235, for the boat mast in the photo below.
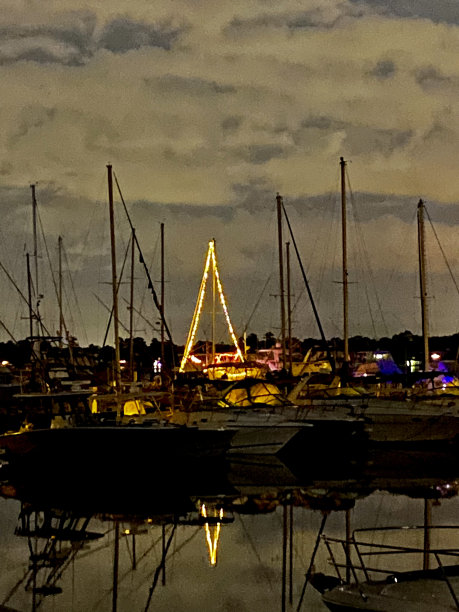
x=114, y=280
x=281, y=275
x=29, y=289
x=131, y=310
x=212, y=359
x=423, y=283
x=61, y=316
x=162, y=297
x=35, y=253
x=345, y=272
x=289, y=308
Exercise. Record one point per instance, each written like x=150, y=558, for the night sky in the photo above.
x=206, y=111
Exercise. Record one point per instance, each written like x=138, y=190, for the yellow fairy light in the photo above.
x=223, y=303
x=212, y=540
x=197, y=313
x=211, y=257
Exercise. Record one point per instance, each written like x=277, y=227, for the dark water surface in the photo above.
x=235, y=562
x=129, y=527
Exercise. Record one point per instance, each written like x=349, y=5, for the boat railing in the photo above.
x=359, y=558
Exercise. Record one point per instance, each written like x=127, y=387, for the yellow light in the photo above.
x=212, y=540
x=211, y=257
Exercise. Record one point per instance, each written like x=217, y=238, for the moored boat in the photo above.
x=389, y=587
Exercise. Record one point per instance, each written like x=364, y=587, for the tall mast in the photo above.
x=289, y=308
x=281, y=275
x=35, y=253
x=61, y=316
x=114, y=280
x=29, y=288
x=423, y=283
x=162, y=296
x=212, y=358
x=131, y=310
x=345, y=272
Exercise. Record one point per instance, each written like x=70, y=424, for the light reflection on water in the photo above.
x=247, y=575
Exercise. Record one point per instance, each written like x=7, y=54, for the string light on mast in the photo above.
x=210, y=259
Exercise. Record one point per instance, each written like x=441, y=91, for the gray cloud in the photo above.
x=440, y=11
x=362, y=139
x=34, y=116
x=190, y=86
x=231, y=124
x=260, y=154
x=180, y=210
x=218, y=110
x=68, y=45
x=255, y=198
x=432, y=79
x=358, y=139
x=75, y=44
x=122, y=35
x=317, y=18
x=384, y=69
x=77, y=35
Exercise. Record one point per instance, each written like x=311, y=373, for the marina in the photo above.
x=229, y=332
x=216, y=440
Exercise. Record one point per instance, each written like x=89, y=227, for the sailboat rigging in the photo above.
x=147, y=272
x=423, y=283
x=210, y=264
x=114, y=281
x=344, y=264
x=308, y=288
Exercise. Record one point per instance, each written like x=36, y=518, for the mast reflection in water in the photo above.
x=241, y=537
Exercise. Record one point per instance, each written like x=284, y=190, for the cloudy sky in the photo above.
x=206, y=111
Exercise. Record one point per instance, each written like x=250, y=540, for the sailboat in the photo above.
x=95, y=440
x=379, y=585
x=408, y=421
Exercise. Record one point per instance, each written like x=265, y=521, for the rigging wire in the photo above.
x=160, y=566
x=150, y=282
x=117, y=290
x=15, y=587
x=142, y=300
x=53, y=278
x=336, y=253
x=176, y=550
x=259, y=263
x=11, y=279
x=318, y=258
x=311, y=563
x=256, y=553
x=8, y=331
x=99, y=239
x=362, y=244
x=257, y=303
x=311, y=299
x=140, y=316
x=17, y=310
x=74, y=293
x=442, y=251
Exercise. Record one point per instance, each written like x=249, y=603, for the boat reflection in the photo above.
x=68, y=519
